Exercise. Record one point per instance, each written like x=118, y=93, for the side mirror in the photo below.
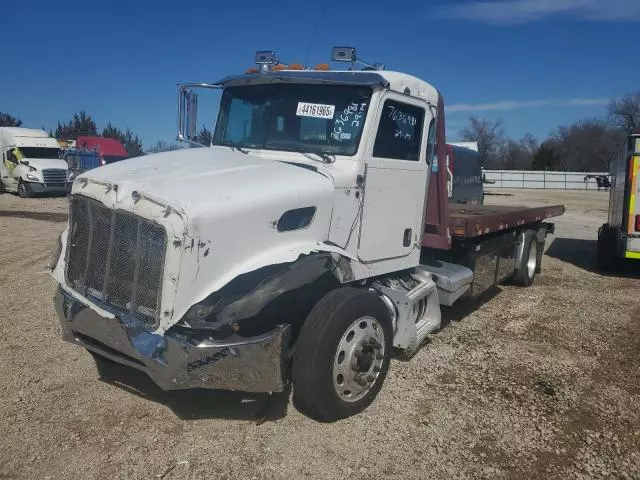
x=187, y=115
x=188, y=111
x=343, y=54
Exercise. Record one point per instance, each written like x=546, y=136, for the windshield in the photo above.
x=39, y=152
x=311, y=118
x=112, y=158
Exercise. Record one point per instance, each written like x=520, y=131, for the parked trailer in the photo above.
x=619, y=238
x=316, y=236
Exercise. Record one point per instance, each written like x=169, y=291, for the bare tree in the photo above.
x=490, y=137
x=586, y=146
x=624, y=112
x=530, y=144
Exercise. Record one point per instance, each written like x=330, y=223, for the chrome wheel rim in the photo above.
x=358, y=360
x=532, y=260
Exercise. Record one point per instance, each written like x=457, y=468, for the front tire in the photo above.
x=24, y=190
x=342, y=355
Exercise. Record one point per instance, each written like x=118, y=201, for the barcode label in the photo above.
x=315, y=110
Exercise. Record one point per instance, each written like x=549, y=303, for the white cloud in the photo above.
x=512, y=12
x=519, y=104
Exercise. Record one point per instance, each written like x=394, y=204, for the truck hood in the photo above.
x=42, y=163
x=204, y=181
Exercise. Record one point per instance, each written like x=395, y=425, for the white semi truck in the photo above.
x=31, y=162
x=312, y=238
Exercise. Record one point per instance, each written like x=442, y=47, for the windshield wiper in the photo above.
x=324, y=156
x=234, y=146
x=298, y=147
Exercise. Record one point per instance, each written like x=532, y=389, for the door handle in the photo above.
x=406, y=241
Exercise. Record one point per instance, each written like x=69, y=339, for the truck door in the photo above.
x=396, y=179
x=9, y=164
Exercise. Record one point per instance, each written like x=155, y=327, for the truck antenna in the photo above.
x=314, y=31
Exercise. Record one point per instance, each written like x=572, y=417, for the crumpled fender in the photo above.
x=248, y=288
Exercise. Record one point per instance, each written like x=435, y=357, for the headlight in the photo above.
x=33, y=178
x=55, y=254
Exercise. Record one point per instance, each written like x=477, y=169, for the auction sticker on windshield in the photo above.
x=316, y=110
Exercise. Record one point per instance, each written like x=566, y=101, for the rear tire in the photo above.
x=528, y=263
x=24, y=190
x=607, y=249
x=342, y=355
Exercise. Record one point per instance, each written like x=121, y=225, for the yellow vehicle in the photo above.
x=619, y=239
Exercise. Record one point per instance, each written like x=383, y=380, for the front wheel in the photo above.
x=23, y=189
x=342, y=354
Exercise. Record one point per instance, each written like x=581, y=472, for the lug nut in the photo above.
x=379, y=357
x=370, y=378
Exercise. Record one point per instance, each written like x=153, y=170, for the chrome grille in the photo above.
x=116, y=259
x=54, y=175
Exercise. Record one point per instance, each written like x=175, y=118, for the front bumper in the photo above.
x=177, y=360
x=37, y=188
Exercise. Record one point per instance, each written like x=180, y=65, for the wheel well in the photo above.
x=256, y=302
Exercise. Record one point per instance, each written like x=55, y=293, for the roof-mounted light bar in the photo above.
x=348, y=54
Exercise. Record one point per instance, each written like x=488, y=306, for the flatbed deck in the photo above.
x=468, y=221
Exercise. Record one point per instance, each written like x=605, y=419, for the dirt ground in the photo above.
x=535, y=383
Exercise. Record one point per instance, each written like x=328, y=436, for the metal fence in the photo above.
x=541, y=179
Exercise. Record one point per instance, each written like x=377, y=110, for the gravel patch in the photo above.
x=530, y=383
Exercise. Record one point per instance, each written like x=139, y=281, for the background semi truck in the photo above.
x=619, y=238
x=31, y=162
x=316, y=236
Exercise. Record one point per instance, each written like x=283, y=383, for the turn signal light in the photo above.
x=251, y=70
x=321, y=66
x=296, y=66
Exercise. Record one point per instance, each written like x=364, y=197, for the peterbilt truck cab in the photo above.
x=308, y=241
x=31, y=162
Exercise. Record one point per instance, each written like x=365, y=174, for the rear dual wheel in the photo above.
x=528, y=262
x=342, y=354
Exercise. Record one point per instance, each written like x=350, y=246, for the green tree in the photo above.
x=545, y=159
x=161, y=146
x=204, y=136
x=129, y=140
x=8, y=120
x=80, y=125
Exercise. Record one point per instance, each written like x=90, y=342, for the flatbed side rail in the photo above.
x=477, y=220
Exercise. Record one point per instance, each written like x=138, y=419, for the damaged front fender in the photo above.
x=256, y=301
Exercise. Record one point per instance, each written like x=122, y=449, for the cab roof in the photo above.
x=396, y=81
x=25, y=132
